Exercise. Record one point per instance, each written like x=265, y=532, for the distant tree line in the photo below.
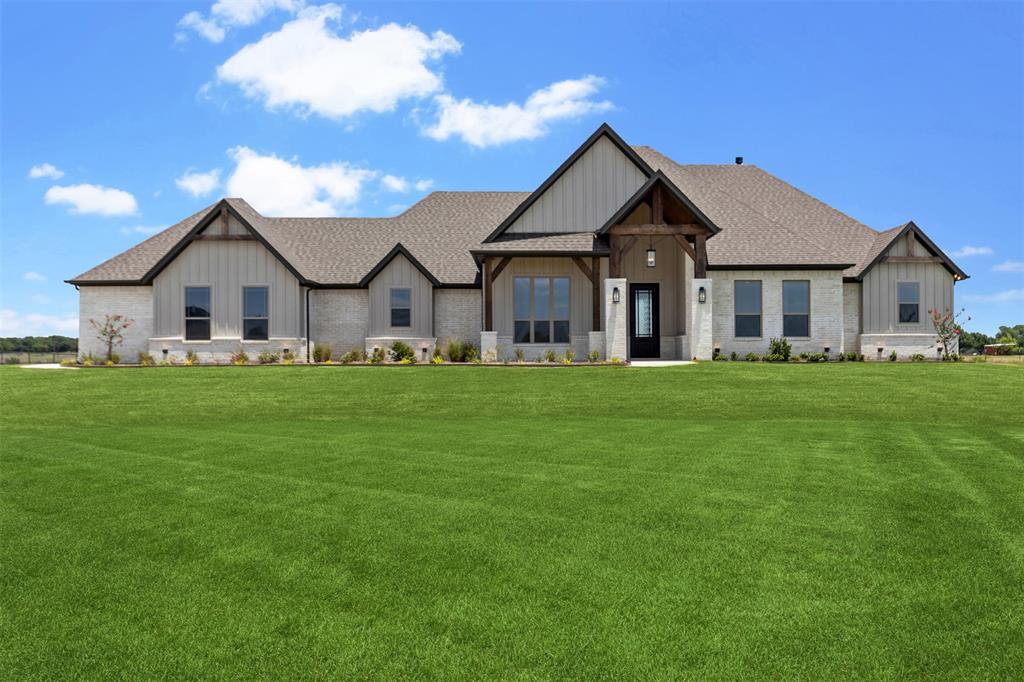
x=975, y=342
x=38, y=344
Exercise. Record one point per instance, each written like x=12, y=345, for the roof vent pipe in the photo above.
x=739, y=160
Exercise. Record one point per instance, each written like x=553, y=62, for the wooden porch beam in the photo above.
x=226, y=237
x=912, y=259
x=685, y=246
x=657, y=230
x=224, y=220
x=584, y=268
x=488, y=296
x=911, y=243
x=595, y=292
x=657, y=207
x=700, y=266
x=502, y=264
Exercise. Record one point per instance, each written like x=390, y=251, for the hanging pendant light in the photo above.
x=651, y=254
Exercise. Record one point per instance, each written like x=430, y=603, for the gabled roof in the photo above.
x=437, y=233
x=886, y=239
x=604, y=130
x=659, y=178
x=566, y=244
x=399, y=250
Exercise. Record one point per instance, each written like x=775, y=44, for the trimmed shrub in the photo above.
x=734, y=356
x=917, y=357
x=773, y=357
x=400, y=350
x=68, y=362
x=240, y=358
x=892, y=356
x=549, y=355
x=471, y=353
x=569, y=357
x=377, y=357
x=322, y=353
x=146, y=360
x=191, y=358
x=437, y=359
x=266, y=357
x=780, y=347
x=593, y=356
x=354, y=355
x=520, y=355
x=114, y=359
x=952, y=357
x=752, y=357
x=456, y=350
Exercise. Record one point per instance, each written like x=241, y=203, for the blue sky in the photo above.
x=122, y=118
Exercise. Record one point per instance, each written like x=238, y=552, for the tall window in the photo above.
x=747, y=308
x=908, y=296
x=197, y=313
x=401, y=307
x=796, y=308
x=255, y=314
x=540, y=308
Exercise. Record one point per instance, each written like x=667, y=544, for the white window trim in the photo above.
x=896, y=312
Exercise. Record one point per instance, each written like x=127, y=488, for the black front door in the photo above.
x=644, y=333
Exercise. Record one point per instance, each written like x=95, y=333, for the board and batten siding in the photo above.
x=586, y=195
x=880, y=310
x=580, y=304
x=401, y=274
x=226, y=267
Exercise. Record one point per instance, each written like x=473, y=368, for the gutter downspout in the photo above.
x=308, y=289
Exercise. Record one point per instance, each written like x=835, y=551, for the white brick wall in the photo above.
x=219, y=351
x=134, y=302
x=339, y=318
x=457, y=315
x=826, y=309
x=905, y=346
x=851, y=317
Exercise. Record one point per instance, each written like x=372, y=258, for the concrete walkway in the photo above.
x=660, y=363
x=48, y=365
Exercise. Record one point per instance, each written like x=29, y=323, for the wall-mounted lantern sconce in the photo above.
x=651, y=255
x=827, y=349
x=615, y=295
x=702, y=295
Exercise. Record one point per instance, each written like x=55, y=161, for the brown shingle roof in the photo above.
x=763, y=221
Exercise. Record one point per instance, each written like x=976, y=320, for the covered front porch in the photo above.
x=637, y=289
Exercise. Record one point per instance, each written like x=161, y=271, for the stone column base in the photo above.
x=701, y=341
x=616, y=335
x=489, y=346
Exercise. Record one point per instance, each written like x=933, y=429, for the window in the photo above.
x=748, y=308
x=796, y=308
x=401, y=307
x=255, y=314
x=197, y=313
x=540, y=309
x=908, y=296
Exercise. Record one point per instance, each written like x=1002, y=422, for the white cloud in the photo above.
x=485, y=125
x=967, y=251
x=424, y=185
x=225, y=14
x=277, y=187
x=40, y=299
x=141, y=229
x=45, y=170
x=396, y=208
x=93, y=199
x=36, y=324
x=1010, y=266
x=393, y=183
x=308, y=67
x=199, y=184
x=207, y=28
x=1008, y=296
x=33, y=277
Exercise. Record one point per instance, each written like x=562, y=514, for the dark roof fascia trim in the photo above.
x=106, y=283
x=398, y=249
x=202, y=225
x=953, y=268
x=634, y=201
x=539, y=253
x=774, y=266
x=603, y=130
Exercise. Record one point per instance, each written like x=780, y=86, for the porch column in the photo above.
x=616, y=334
x=702, y=342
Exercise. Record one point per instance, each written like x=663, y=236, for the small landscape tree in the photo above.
x=111, y=331
x=947, y=328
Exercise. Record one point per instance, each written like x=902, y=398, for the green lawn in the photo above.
x=724, y=520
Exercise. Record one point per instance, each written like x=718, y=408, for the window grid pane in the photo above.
x=796, y=298
x=748, y=325
x=197, y=313
x=796, y=325
x=748, y=297
x=254, y=302
x=401, y=307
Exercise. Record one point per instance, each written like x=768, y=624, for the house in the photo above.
x=622, y=250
